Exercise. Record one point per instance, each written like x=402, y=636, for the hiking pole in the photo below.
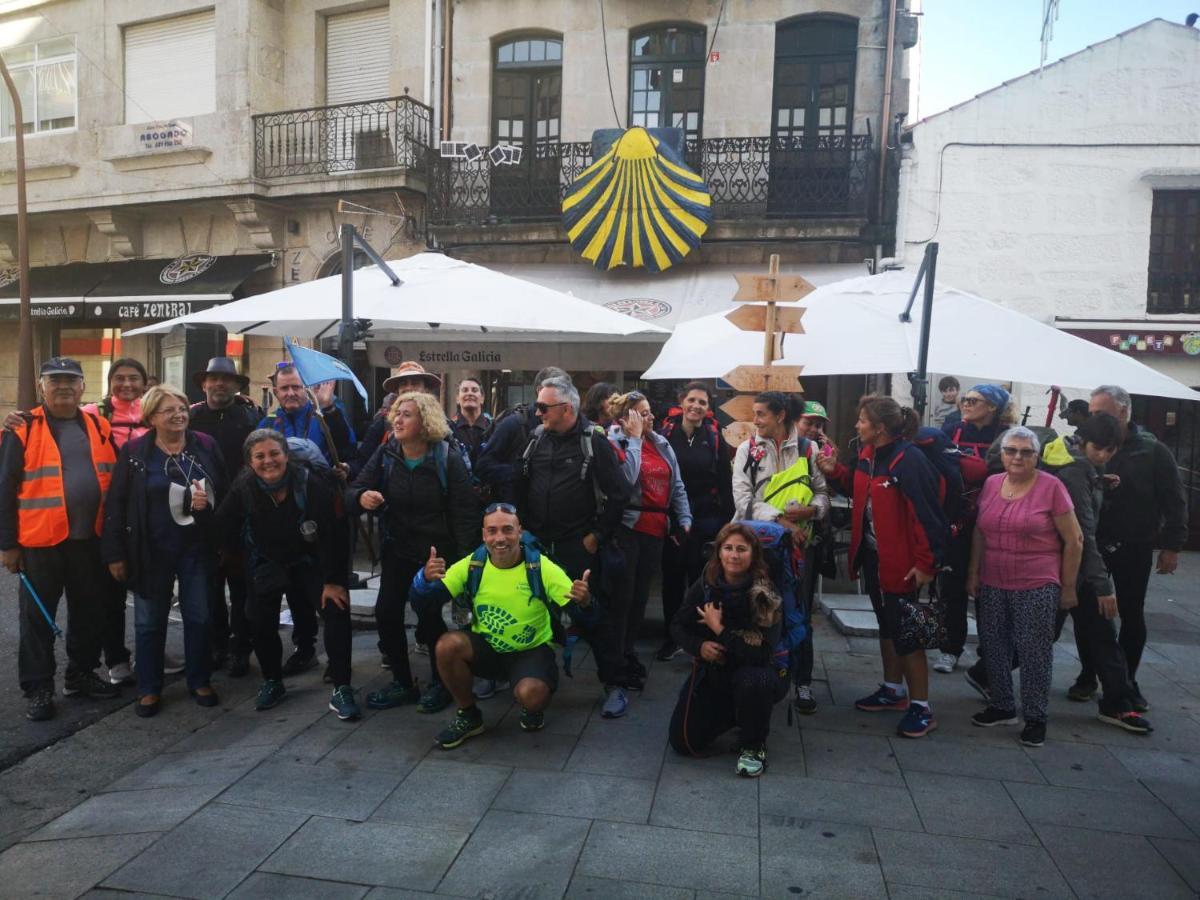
x=38, y=600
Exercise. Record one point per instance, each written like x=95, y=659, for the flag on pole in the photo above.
x=315, y=367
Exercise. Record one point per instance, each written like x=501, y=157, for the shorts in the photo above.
x=887, y=606
x=538, y=662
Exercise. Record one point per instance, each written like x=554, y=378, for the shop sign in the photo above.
x=168, y=135
x=11, y=312
x=1143, y=342
x=146, y=310
x=573, y=356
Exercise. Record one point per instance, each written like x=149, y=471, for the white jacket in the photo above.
x=775, y=459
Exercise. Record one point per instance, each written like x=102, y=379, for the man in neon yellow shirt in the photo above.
x=511, y=626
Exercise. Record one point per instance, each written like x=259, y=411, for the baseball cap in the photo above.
x=815, y=409
x=61, y=365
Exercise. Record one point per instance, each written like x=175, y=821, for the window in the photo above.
x=45, y=76
x=357, y=56
x=1174, y=277
x=666, y=78
x=814, y=78
x=171, y=68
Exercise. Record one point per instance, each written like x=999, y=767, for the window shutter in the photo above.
x=357, y=56
x=171, y=68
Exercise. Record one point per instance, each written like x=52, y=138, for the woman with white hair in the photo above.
x=1025, y=556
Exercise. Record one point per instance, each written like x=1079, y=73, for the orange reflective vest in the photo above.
x=41, y=506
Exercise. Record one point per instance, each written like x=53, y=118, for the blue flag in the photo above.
x=315, y=367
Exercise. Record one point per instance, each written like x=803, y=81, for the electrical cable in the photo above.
x=716, y=28
x=604, y=37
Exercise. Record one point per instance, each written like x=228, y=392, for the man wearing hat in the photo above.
x=227, y=415
x=297, y=418
x=54, y=473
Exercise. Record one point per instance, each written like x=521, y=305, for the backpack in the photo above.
x=388, y=463
x=711, y=430
x=585, y=447
x=785, y=565
x=960, y=475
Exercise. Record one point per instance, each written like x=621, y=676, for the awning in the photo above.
x=137, y=290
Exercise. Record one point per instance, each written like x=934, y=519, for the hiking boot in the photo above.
x=532, y=721
x=1130, y=721
x=300, y=661
x=1083, y=690
x=466, y=723
x=395, y=694
x=751, y=763
x=342, y=702
x=121, y=673
x=946, y=663
x=435, y=699
x=882, y=699
x=89, y=684
x=993, y=716
x=1033, y=734
x=486, y=688
x=41, y=705
x=615, y=703
x=976, y=677
x=917, y=722
x=269, y=694
x=239, y=665
x=1140, y=703
x=805, y=703
x=668, y=651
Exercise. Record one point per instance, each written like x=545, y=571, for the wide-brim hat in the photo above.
x=221, y=365
x=410, y=369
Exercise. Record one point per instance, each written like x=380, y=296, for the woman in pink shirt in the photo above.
x=1025, y=556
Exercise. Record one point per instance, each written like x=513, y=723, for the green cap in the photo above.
x=813, y=408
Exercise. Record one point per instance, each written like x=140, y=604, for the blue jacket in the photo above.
x=303, y=423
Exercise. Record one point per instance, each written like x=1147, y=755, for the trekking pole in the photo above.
x=38, y=600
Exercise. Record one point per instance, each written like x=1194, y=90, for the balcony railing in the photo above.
x=379, y=134
x=748, y=178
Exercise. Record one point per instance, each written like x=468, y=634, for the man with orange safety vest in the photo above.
x=54, y=473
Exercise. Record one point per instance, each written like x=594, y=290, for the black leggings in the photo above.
x=1129, y=565
x=1099, y=651
x=303, y=592
x=395, y=581
x=682, y=564
x=713, y=700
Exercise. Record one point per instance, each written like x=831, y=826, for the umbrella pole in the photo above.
x=920, y=378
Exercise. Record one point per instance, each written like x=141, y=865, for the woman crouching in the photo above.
x=730, y=622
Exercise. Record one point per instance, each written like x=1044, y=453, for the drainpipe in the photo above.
x=435, y=94
x=447, y=42
x=885, y=129
x=427, y=83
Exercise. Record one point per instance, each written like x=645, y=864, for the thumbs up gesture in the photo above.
x=579, y=590
x=199, y=496
x=435, y=566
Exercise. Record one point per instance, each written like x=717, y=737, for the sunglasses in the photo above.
x=544, y=408
x=500, y=507
x=1022, y=452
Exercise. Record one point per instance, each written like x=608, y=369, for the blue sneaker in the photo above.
x=917, y=722
x=615, y=703
x=434, y=700
x=342, y=702
x=884, y=698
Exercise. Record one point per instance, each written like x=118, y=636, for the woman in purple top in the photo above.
x=1025, y=556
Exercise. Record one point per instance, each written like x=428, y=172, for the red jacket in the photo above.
x=910, y=527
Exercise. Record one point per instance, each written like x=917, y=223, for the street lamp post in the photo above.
x=25, y=387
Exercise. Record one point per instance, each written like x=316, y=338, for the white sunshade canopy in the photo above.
x=436, y=291
x=852, y=327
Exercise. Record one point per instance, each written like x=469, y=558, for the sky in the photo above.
x=969, y=46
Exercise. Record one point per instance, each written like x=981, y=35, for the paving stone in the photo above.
x=819, y=859
x=106, y=894
x=375, y=853
x=912, y=892
x=268, y=886
x=604, y=889
x=855, y=622
x=689, y=797
x=671, y=856
x=128, y=812
x=851, y=757
x=968, y=807
x=827, y=603
x=1099, y=864
x=317, y=790
x=1184, y=857
x=1172, y=777
x=973, y=757
x=201, y=767
x=518, y=854
x=619, y=747
x=944, y=862
x=1126, y=813
x=209, y=854
x=578, y=794
x=507, y=745
x=65, y=868
x=444, y=793
x=384, y=893
x=314, y=743
x=392, y=740
x=249, y=729
x=1070, y=764
x=785, y=801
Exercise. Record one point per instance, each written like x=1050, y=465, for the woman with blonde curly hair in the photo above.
x=421, y=493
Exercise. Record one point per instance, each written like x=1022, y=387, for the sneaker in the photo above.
x=395, y=694
x=342, y=702
x=1140, y=703
x=1130, y=721
x=121, y=673
x=805, y=703
x=976, y=677
x=1033, y=734
x=615, y=703
x=172, y=665
x=532, y=721
x=917, y=722
x=269, y=694
x=751, y=763
x=1083, y=690
x=89, y=684
x=946, y=663
x=993, y=716
x=486, y=688
x=41, y=706
x=423, y=649
x=239, y=665
x=434, y=700
x=884, y=698
x=300, y=661
x=385, y=662
x=466, y=723
x=668, y=651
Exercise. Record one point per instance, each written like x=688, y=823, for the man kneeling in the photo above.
x=506, y=589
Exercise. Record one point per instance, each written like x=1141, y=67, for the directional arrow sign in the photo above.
x=737, y=433
x=754, y=318
x=765, y=378
x=757, y=288
x=740, y=409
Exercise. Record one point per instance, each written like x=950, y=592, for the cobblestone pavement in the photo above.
x=293, y=803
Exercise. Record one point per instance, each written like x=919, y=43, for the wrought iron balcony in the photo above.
x=749, y=178
x=380, y=134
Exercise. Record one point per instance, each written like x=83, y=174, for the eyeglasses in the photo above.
x=171, y=411
x=1022, y=452
x=971, y=401
x=500, y=507
x=544, y=408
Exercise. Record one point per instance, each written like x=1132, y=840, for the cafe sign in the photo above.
x=169, y=135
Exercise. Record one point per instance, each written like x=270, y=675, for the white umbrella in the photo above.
x=436, y=290
x=852, y=327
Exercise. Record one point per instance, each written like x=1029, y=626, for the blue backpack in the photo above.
x=785, y=565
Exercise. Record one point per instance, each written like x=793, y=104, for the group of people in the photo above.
x=568, y=506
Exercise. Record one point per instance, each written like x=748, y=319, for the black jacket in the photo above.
x=1064, y=458
x=499, y=459
x=418, y=513
x=737, y=618
x=228, y=427
x=556, y=503
x=707, y=476
x=126, y=536
x=1150, y=504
